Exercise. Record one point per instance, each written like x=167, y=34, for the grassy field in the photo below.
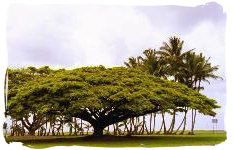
x=201, y=138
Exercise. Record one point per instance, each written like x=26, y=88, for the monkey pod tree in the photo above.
x=22, y=110
x=104, y=96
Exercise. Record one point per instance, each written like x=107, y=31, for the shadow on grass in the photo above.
x=124, y=141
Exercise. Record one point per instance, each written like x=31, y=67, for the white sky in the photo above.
x=83, y=35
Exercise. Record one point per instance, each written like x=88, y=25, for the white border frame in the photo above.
x=228, y=8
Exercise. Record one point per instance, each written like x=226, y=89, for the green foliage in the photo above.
x=103, y=96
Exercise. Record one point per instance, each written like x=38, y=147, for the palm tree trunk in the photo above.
x=194, y=119
x=160, y=128
x=164, y=124
x=170, y=130
x=174, y=120
x=185, y=121
x=195, y=111
x=179, y=126
x=181, y=123
x=191, y=132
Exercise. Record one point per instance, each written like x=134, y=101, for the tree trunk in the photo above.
x=172, y=123
x=31, y=132
x=49, y=130
x=114, y=129
x=146, y=129
x=126, y=128
x=180, y=125
x=98, y=131
x=151, y=116
x=62, y=130
x=75, y=126
x=194, y=119
x=45, y=129
x=185, y=122
x=164, y=123
x=70, y=128
x=143, y=126
x=160, y=128
x=131, y=125
x=191, y=132
x=53, y=133
x=154, y=123
x=81, y=127
x=136, y=126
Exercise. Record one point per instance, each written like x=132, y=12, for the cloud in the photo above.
x=209, y=39
x=76, y=35
x=102, y=35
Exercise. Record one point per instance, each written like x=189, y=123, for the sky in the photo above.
x=82, y=35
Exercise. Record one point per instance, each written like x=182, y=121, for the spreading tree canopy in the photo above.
x=17, y=78
x=103, y=96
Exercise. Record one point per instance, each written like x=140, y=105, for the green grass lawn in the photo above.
x=200, y=138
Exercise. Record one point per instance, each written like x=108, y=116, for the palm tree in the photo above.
x=133, y=62
x=196, y=68
x=149, y=62
x=172, y=55
x=152, y=63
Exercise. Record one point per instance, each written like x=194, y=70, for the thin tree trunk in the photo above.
x=108, y=129
x=143, y=126
x=126, y=127
x=146, y=129
x=45, y=129
x=154, y=123
x=53, y=133
x=87, y=132
x=151, y=115
x=180, y=125
x=70, y=128
x=185, y=121
x=75, y=127
x=164, y=123
x=194, y=119
x=114, y=129
x=49, y=130
x=195, y=111
x=173, y=122
x=62, y=129
x=160, y=128
x=81, y=127
x=191, y=132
